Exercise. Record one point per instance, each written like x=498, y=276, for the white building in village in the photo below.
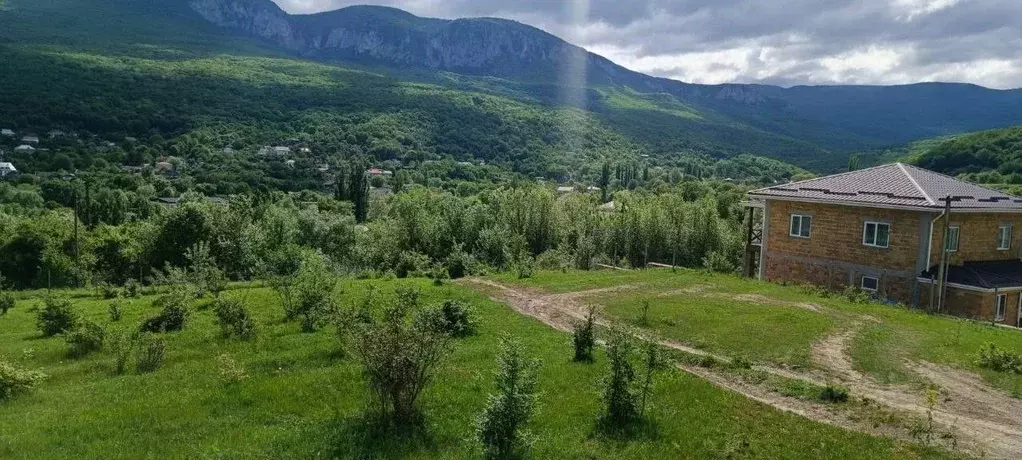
x=7, y=169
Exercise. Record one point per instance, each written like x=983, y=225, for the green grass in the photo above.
x=302, y=400
x=775, y=331
x=753, y=330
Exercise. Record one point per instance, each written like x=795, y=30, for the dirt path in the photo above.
x=983, y=419
x=986, y=419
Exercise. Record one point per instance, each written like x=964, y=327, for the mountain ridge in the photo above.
x=512, y=50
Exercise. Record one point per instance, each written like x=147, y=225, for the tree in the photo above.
x=499, y=427
x=853, y=162
x=358, y=190
x=619, y=396
x=605, y=182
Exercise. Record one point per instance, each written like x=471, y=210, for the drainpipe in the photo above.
x=942, y=272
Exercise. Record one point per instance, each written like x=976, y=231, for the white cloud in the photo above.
x=773, y=41
x=911, y=9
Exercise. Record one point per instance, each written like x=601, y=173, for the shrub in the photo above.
x=439, y=275
x=459, y=263
x=584, y=337
x=644, y=318
x=234, y=319
x=6, y=302
x=619, y=396
x=109, y=291
x=14, y=381
x=856, y=295
x=231, y=372
x=132, y=288
x=86, y=338
x=1000, y=360
x=740, y=362
x=499, y=427
x=314, y=292
x=398, y=358
x=834, y=394
x=151, y=351
x=524, y=267
x=116, y=310
x=174, y=316
x=121, y=345
x=452, y=318
x=58, y=315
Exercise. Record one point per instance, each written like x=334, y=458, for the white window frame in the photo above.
x=876, y=231
x=1003, y=244
x=801, y=220
x=876, y=281
x=1001, y=307
x=955, y=230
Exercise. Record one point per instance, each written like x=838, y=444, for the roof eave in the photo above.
x=864, y=204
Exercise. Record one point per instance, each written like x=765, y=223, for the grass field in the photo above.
x=770, y=322
x=302, y=399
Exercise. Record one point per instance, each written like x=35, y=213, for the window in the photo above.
x=870, y=284
x=1002, y=302
x=1004, y=237
x=876, y=234
x=951, y=241
x=801, y=225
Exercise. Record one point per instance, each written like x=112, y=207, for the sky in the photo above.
x=783, y=42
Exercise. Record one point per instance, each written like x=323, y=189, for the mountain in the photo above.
x=508, y=49
x=812, y=126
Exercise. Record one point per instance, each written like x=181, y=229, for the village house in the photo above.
x=7, y=132
x=56, y=133
x=7, y=169
x=24, y=148
x=379, y=172
x=903, y=233
x=30, y=140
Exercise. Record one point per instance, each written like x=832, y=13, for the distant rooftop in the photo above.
x=894, y=185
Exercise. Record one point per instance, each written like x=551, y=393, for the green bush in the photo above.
x=122, y=346
x=452, y=317
x=132, y=288
x=309, y=293
x=151, y=351
x=991, y=357
x=116, y=310
x=234, y=319
x=834, y=394
x=84, y=339
x=6, y=302
x=58, y=315
x=109, y=291
x=14, y=381
x=174, y=316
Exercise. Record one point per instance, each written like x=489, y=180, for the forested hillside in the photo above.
x=990, y=157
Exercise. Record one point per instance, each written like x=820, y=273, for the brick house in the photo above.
x=881, y=229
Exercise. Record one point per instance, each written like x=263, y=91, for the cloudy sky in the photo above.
x=782, y=42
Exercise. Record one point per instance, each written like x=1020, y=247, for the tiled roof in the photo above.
x=988, y=275
x=894, y=184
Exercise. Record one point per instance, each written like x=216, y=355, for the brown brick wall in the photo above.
x=977, y=239
x=837, y=234
x=980, y=306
